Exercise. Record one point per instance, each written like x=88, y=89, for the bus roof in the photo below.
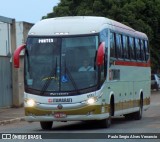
x=77, y=25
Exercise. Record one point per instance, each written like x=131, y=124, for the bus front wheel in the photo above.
x=106, y=123
x=46, y=125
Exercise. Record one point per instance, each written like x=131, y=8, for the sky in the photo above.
x=26, y=10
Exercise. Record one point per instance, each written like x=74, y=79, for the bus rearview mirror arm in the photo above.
x=16, y=55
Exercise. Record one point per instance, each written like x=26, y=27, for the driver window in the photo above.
x=104, y=38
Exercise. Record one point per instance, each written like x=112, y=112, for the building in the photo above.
x=12, y=35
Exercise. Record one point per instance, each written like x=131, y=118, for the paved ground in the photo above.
x=10, y=115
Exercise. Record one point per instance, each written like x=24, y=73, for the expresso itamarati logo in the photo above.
x=60, y=100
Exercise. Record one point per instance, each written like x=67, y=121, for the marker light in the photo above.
x=93, y=31
x=61, y=33
x=91, y=101
x=30, y=103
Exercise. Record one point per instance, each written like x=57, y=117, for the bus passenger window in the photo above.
x=142, y=50
x=125, y=47
x=137, y=43
x=112, y=45
x=131, y=48
x=146, y=50
x=118, y=46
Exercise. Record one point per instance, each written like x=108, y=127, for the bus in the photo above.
x=117, y=83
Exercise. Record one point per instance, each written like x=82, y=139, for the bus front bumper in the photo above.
x=90, y=112
x=68, y=118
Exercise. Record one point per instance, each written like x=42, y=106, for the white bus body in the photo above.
x=121, y=80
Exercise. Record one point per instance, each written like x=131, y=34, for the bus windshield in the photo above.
x=54, y=65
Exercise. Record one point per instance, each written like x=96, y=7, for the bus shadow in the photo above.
x=86, y=125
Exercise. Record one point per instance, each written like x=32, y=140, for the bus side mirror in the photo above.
x=100, y=54
x=17, y=55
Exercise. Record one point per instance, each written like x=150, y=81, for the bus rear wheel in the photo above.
x=46, y=125
x=138, y=114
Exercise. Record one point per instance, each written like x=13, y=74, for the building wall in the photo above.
x=5, y=48
x=22, y=29
x=6, y=95
x=5, y=82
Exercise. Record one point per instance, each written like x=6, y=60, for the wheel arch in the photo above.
x=141, y=96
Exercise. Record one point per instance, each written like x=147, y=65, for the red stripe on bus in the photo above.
x=133, y=63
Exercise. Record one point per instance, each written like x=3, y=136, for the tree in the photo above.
x=142, y=15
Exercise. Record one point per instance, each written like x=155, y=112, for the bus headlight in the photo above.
x=91, y=101
x=30, y=102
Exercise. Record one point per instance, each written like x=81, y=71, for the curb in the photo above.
x=10, y=121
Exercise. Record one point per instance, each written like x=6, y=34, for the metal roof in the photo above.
x=6, y=20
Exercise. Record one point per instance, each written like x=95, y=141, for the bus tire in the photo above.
x=46, y=125
x=138, y=114
x=129, y=116
x=106, y=123
x=157, y=87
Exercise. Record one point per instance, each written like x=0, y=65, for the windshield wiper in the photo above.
x=48, y=81
x=71, y=78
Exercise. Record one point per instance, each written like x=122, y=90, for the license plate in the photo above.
x=60, y=115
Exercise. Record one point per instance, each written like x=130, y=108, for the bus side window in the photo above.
x=142, y=51
x=134, y=42
x=131, y=48
x=118, y=46
x=137, y=43
x=125, y=47
x=146, y=50
x=112, y=45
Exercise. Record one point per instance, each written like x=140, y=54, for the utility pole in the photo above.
x=15, y=82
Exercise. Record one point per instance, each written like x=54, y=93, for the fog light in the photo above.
x=30, y=103
x=91, y=101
